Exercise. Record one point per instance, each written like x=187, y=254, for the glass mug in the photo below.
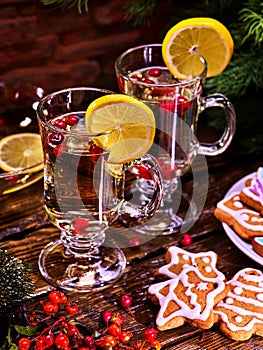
x=141, y=73
x=83, y=195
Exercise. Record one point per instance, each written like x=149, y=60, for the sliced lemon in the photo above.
x=19, y=151
x=133, y=123
x=191, y=38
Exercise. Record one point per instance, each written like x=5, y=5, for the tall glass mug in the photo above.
x=83, y=195
x=141, y=73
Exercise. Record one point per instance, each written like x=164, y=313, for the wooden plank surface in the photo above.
x=24, y=230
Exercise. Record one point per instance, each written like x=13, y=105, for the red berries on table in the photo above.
x=150, y=334
x=126, y=301
x=114, y=330
x=57, y=297
x=24, y=344
x=106, y=316
x=72, y=308
x=185, y=239
x=66, y=335
x=125, y=336
x=61, y=341
x=135, y=242
x=50, y=308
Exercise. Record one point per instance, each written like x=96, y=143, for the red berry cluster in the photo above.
x=174, y=103
x=60, y=334
x=56, y=138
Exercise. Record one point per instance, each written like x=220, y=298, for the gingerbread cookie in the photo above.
x=246, y=222
x=177, y=259
x=240, y=314
x=252, y=195
x=189, y=297
x=257, y=245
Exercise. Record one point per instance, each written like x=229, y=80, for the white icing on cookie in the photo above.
x=209, y=258
x=238, y=204
x=246, y=217
x=238, y=290
x=195, y=310
x=202, y=286
x=255, y=189
x=238, y=319
x=250, y=282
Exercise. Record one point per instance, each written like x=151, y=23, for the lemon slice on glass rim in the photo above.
x=191, y=38
x=133, y=121
x=21, y=151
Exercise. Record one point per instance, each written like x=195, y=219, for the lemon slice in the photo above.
x=132, y=120
x=191, y=38
x=19, y=151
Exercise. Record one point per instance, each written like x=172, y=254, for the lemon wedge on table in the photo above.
x=191, y=38
x=19, y=151
x=132, y=120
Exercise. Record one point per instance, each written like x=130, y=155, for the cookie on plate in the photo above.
x=177, y=259
x=252, y=195
x=246, y=222
x=240, y=314
x=190, y=297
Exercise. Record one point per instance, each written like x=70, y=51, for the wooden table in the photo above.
x=25, y=230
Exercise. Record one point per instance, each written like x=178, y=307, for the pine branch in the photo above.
x=15, y=285
x=252, y=17
x=141, y=11
x=244, y=71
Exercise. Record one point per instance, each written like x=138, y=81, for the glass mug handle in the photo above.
x=221, y=101
x=144, y=211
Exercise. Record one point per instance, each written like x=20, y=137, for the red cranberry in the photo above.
x=125, y=336
x=55, y=138
x=50, y=308
x=186, y=239
x=148, y=81
x=142, y=172
x=182, y=104
x=155, y=72
x=168, y=105
x=96, y=152
x=126, y=301
x=61, y=341
x=24, y=344
x=80, y=225
x=135, y=242
x=150, y=334
x=60, y=124
x=71, y=120
x=136, y=77
x=106, y=315
x=72, y=308
x=59, y=150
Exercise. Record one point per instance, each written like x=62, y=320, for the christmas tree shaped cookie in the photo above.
x=189, y=297
x=240, y=314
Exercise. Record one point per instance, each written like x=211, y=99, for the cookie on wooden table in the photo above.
x=247, y=222
x=240, y=314
x=190, y=297
x=252, y=195
x=177, y=259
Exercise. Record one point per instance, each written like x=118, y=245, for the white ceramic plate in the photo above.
x=243, y=245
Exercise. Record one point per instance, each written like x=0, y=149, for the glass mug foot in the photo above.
x=81, y=273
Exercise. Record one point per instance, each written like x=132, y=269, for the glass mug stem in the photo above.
x=222, y=102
